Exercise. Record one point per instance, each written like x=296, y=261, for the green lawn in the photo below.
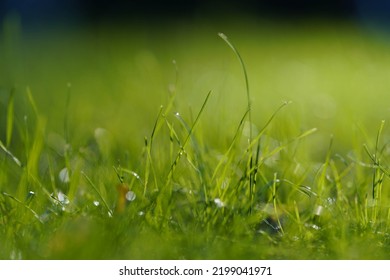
x=136, y=142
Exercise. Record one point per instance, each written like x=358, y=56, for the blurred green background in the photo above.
x=329, y=58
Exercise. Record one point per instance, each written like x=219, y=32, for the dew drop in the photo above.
x=219, y=203
x=318, y=210
x=64, y=175
x=62, y=198
x=136, y=175
x=130, y=196
x=316, y=227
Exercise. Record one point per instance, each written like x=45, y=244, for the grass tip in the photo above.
x=222, y=35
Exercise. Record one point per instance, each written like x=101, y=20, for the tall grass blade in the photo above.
x=249, y=108
x=149, y=166
x=249, y=102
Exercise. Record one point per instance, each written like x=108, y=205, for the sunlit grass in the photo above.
x=124, y=143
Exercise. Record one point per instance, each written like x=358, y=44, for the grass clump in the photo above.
x=192, y=188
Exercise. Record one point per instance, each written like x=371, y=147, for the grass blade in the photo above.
x=189, y=135
x=249, y=102
x=32, y=102
x=249, y=105
x=15, y=159
x=24, y=205
x=109, y=211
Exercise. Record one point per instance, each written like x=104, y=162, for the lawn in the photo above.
x=144, y=141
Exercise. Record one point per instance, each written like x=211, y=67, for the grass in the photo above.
x=110, y=151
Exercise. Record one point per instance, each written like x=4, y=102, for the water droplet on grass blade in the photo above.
x=312, y=226
x=64, y=175
x=135, y=175
x=130, y=196
x=318, y=210
x=330, y=201
x=124, y=196
x=219, y=203
x=316, y=227
x=62, y=198
x=30, y=197
x=96, y=203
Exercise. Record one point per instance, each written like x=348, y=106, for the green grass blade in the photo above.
x=230, y=149
x=189, y=135
x=109, y=211
x=15, y=159
x=24, y=205
x=32, y=101
x=275, y=202
x=249, y=102
x=260, y=134
x=249, y=108
x=378, y=136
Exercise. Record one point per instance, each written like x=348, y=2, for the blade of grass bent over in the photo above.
x=249, y=105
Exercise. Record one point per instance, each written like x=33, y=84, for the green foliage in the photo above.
x=218, y=176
